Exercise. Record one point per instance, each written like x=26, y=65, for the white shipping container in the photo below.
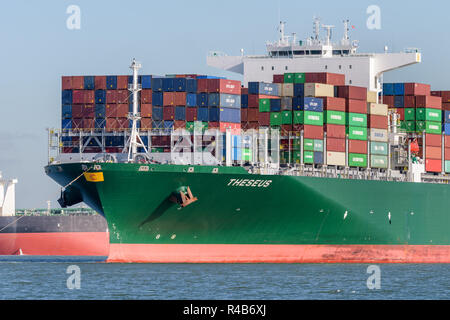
x=287, y=90
x=377, y=109
x=372, y=96
x=335, y=158
x=379, y=135
x=319, y=90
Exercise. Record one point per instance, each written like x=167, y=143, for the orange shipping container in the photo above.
x=433, y=153
x=433, y=140
x=432, y=165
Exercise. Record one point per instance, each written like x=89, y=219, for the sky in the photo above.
x=168, y=37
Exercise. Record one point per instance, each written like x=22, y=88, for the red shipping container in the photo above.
x=213, y=125
x=111, y=124
x=244, y=114
x=191, y=114
x=224, y=86
x=122, y=96
x=410, y=102
x=244, y=90
x=433, y=165
x=285, y=129
x=297, y=127
x=447, y=154
x=389, y=100
x=334, y=79
x=146, y=123
x=433, y=140
x=445, y=95
x=446, y=106
x=446, y=141
x=252, y=115
x=264, y=118
x=168, y=99
x=417, y=89
x=235, y=128
x=89, y=96
x=179, y=124
x=111, y=96
x=433, y=152
x=336, y=104
x=312, y=132
x=146, y=96
x=88, y=123
x=111, y=111
x=66, y=83
x=355, y=106
x=428, y=102
x=100, y=82
x=336, y=145
x=146, y=110
x=122, y=82
x=179, y=98
x=122, y=110
x=92, y=150
x=78, y=82
x=253, y=99
x=78, y=96
x=401, y=112
x=88, y=111
x=352, y=92
x=202, y=85
x=357, y=146
x=77, y=123
x=113, y=150
x=335, y=131
x=122, y=123
x=77, y=110
x=168, y=112
x=278, y=78
x=252, y=125
x=377, y=122
x=436, y=93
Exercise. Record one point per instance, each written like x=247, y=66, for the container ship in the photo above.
x=70, y=232
x=311, y=159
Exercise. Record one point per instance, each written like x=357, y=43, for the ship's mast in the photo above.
x=135, y=140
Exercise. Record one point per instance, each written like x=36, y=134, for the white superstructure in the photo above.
x=7, y=197
x=316, y=55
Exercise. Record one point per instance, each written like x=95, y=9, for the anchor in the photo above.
x=183, y=196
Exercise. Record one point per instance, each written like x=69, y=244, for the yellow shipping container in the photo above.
x=372, y=96
x=377, y=109
x=287, y=90
x=319, y=90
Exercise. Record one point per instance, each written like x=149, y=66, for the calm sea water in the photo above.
x=46, y=278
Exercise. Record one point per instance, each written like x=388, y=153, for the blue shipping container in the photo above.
x=157, y=124
x=66, y=96
x=100, y=123
x=271, y=89
x=230, y=115
x=168, y=124
x=388, y=89
x=275, y=105
x=299, y=89
x=180, y=84
x=244, y=101
x=213, y=114
x=146, y=82
x=236, y=154
x=191, y=99
x=157, y=113
x=399, y=89
x=168, y=84
x=318, y=157
x=202, y=114
x=89, y=82
x=66, y=124
x=230, y=100
x=307, y=104
x=157, y=84
x=202, y=99
x=213, y=100
x=100, y=96
x=180, y=113
x=446, y=128
x=191, y=85
x=399, y=101
x=100, y=110
x=114, y=141
x=66, y=111
x=446, y=116
x=111, y=82
x=157, y=98
x=130, y=124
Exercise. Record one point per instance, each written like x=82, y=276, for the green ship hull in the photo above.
x=243, y=217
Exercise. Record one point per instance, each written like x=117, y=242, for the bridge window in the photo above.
x=316, y=52
x=285, y=68
x=326, y=67
x=262, y=68
x=350, y=66
x=273, y=68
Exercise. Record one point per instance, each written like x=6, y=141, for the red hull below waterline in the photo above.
x=224, y=253
x=55, y=243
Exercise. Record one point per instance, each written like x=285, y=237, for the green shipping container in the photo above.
x=296, y=157
x=308, y=156
x=378, y=148
x=264, y=105
x=357, y=133
x=289, y=77
x=378, y=161
x=286, y=117
x=356, y=120
x=428, y=114
x=433, y=127
x=156, y=149
x=410, y=126
x=299, y=78
x=296, y=144
x=447, y=166
x=410, y=114
x=335, y=117
x=298, y=117
x=308, y=144
x=246, y=154
x=318, y=145
x=357, y=160
x=420, y=126
x=313, y=118
x=275, y=118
